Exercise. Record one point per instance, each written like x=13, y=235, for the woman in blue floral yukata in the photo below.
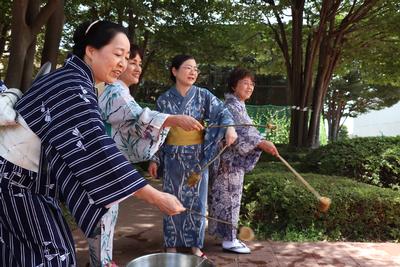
x=227, y=182
x=185, y=151
x=138, y=133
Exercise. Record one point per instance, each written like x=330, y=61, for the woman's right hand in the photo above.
x=167, y=203
x=186, y=122
x=152, y=169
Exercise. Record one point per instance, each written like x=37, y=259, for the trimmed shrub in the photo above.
x=277, y=206
x=373, y=160
x=292, y=154
x=389, y=168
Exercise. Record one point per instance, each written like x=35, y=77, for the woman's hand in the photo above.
x=186, y=122
x=230, y=136
x=152, y=169
x=268, y=147
x=167, y=203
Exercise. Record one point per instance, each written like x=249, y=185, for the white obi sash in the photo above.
x=18, y=144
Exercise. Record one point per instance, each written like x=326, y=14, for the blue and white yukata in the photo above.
x=226, y=181
x=138, y=133
x=177, y=162
x=79, y=164
x=3, y=87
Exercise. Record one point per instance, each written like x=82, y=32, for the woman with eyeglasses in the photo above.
x=63, y=154
x=138, y=132
x=186, y=151
x=226, y=182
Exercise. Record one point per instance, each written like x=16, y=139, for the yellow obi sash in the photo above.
x=179, y=137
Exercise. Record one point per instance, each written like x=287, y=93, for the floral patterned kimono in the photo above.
x=137, y=131
x=178, y=161
x=226, y=184
x=138, y=135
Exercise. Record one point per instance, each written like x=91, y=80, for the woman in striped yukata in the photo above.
x=138, y=132
x=72, y=158
x=226, y=183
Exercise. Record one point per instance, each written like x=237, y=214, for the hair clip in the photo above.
x=90, y=26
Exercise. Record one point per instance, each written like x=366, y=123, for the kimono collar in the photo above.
x=126, y=87
x=232, y=98
x=189, y=93
x=76, y=63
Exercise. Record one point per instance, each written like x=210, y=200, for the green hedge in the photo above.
x=278, y=207
x=373, y=160
x=290, y=153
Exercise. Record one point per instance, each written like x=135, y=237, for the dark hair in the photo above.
x=236, y=75
x=96, y=34
x=176, y=62
x=134, y=51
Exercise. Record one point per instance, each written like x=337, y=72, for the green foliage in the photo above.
x=278, y=207
x=290, y=153
x=275, y=115
x=374, y=49
x=373, y=160
x=386, y=171
x=343, y=133
x=351, y=94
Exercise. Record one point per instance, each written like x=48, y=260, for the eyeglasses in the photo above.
x=247, y=83
x=190, y=68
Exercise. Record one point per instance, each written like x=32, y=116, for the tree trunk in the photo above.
x=27, y=73
x=325, y=42
x=53, y=36
x=20, y=40
x=22, y=36
x=296, y=81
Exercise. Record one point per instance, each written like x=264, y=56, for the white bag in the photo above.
x=8, y=98
x=18, y=144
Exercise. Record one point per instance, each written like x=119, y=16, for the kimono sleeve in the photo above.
x=119, y=109
x=74, y=128
x=159, y=154
x=215, y=113
x=248, y=137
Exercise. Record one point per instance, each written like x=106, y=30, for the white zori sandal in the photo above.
x=236, y=246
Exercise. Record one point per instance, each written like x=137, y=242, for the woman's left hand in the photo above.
x=268, y=147
x=230, y=136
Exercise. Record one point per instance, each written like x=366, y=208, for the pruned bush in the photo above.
x=278, y=207
x=292, y=154
x=373, y=160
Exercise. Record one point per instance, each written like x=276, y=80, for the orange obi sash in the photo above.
x=179, y=137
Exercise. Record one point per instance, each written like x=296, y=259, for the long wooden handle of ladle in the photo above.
x=213, y=159
x=211, y=218
x=300, y=178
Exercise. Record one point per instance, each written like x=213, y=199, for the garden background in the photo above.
x=315, y=61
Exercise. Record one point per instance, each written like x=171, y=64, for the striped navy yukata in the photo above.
x=79, y=165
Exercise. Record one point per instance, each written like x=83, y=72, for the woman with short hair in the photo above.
x=227, y=182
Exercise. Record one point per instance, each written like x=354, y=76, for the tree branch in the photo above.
x=43, y=16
